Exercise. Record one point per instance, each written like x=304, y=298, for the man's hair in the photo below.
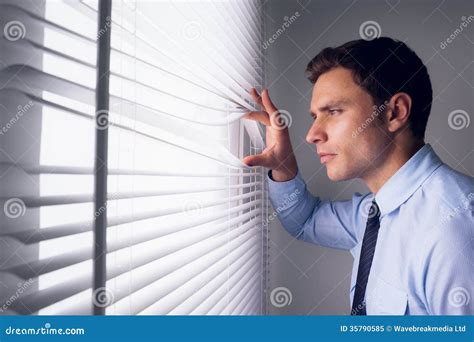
x=383, y=67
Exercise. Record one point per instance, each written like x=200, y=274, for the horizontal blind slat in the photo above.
x=41, y=234
x=49, y=296
x=72, y=170
x=242, y=292
x=41, y=201
x=212, y=288
x=222, y=295
x=183, y=291
x=151, y=286
x=35, y=268
x=236, y=85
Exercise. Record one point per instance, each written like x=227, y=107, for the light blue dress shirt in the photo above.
x=424, y=257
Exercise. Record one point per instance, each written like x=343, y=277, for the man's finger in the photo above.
x=267, y=102
x=256, y=96
x=261, y=117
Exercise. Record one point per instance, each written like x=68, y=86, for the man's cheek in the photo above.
x=345, y=143
x=343, y=128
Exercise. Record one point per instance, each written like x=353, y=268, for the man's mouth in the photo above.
x=326, y=157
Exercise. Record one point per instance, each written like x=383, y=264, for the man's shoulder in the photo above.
x=447, y=188
x=446, y=176
x=446, y=205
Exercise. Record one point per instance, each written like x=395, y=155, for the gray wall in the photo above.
x=318, y=278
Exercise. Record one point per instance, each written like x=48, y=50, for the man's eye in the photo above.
x=334, y=111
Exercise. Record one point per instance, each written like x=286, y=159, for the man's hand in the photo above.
x=278, y=155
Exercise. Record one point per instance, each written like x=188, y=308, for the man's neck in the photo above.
x=393, y=161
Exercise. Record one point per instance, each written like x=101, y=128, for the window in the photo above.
x=184, y=216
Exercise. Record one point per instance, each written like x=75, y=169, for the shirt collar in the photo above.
x=407, y=179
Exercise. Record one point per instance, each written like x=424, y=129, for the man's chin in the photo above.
x=336, y=176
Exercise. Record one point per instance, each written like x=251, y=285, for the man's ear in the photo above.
x=399, y=108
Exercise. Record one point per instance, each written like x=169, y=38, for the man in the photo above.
x=412, y=236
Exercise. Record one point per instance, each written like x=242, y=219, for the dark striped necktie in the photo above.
x=365, y=261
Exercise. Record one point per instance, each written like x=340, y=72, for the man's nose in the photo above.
x=316, y=133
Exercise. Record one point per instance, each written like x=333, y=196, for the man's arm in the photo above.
x=306, y=217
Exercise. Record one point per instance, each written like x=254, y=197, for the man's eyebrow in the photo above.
x=333, y=104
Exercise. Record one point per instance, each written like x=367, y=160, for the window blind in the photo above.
x=184, y=216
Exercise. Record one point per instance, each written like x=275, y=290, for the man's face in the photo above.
x=347, y=126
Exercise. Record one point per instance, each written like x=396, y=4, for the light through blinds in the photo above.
x=184, y=228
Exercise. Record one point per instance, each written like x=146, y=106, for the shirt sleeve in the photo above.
x=308, y=218
x=449, y=268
